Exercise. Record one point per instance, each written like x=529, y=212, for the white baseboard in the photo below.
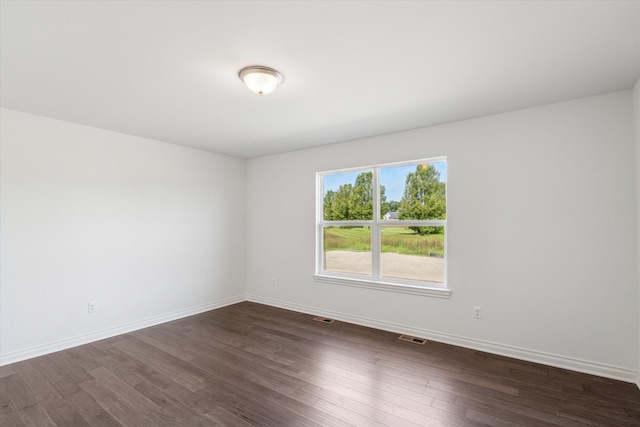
x=64, y=344
x=594, y=368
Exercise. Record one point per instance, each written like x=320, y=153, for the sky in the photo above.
x=392, y=178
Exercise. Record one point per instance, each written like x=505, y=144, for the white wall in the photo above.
x=542, y=235
x=151, y=231
x=636, y=122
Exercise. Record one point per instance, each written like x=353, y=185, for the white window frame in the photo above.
x=375, y=281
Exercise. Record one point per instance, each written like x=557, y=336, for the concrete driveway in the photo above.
x=394, y=265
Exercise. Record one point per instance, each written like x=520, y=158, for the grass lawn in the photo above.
x=399, y=240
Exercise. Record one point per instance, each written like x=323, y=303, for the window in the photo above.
x=384, y=227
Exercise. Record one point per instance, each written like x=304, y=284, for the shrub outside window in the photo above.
x=384, y=224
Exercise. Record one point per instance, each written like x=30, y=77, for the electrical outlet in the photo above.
x=477, y=313
x=273, y=281
x=92, y=307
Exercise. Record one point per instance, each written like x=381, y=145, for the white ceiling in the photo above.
x=167, y=70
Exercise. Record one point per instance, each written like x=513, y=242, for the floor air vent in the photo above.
x=414, y=340
x=323, y=320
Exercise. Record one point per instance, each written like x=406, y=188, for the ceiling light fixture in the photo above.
x=259, y=79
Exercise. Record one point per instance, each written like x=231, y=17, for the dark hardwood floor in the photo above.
x=250, y=364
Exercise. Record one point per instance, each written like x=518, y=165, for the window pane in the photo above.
x=348, y=196
x=414, y=191
x=347, y=250
x=412, y=253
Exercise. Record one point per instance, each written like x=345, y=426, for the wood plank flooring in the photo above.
x=251, y=364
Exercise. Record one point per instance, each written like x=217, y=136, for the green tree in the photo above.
x=353, y=201
x=329, y=198
x=340, y=208
x=362, y=197
x=424, y=198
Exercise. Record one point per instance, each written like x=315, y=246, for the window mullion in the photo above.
x=375, y=226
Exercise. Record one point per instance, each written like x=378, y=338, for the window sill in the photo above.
x=382, y=286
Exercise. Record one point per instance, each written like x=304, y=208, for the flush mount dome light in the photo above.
x=259, y=79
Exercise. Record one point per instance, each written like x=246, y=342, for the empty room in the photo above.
x=319, y=213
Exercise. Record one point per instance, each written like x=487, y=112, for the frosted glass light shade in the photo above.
x=261, y=80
